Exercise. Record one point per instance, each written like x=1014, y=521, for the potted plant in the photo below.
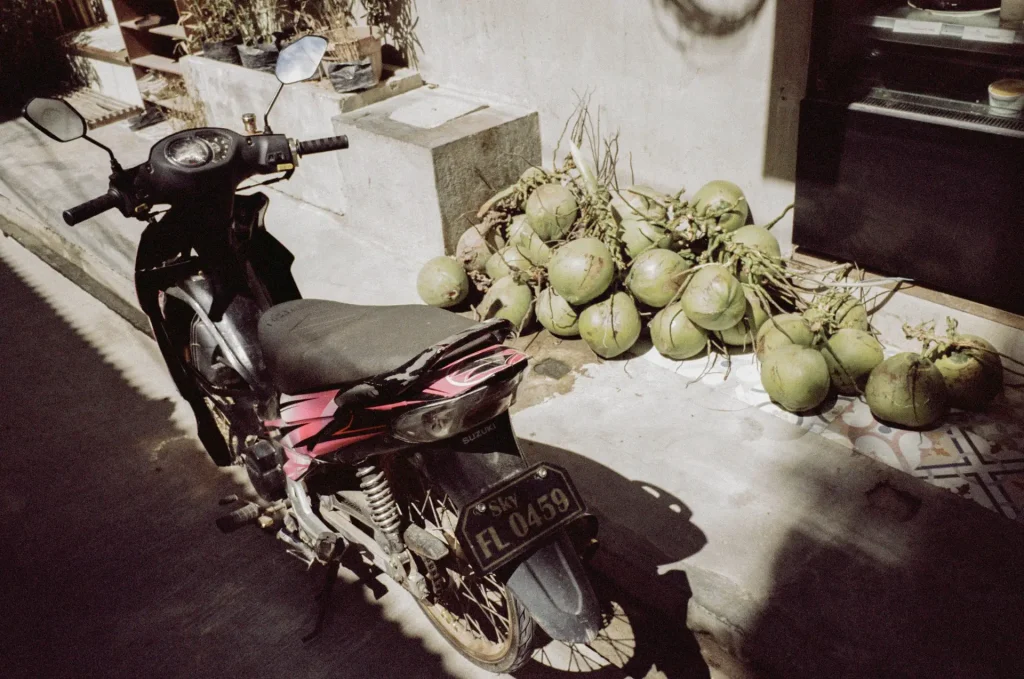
x=259, y=22
x=211, y=26
x=353, y=59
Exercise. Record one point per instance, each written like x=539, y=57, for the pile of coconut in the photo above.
x=586, y=258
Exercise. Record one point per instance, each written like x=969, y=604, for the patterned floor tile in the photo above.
x=979, y=456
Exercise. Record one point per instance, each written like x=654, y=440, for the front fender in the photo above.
x=551, y=583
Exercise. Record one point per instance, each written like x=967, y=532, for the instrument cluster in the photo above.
x=198, y=149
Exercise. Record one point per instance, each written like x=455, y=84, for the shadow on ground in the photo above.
x=113, y=566
x=641, y=528
x=890, y=582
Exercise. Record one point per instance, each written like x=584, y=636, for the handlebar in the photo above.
x=321, y=145
x=90, y=208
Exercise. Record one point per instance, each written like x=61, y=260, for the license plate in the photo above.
x=509, y=520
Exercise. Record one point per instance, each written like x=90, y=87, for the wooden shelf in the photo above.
x=133, y=25
x=119, y=57
x=176, y=31
x=151, y=49
x=156, y=62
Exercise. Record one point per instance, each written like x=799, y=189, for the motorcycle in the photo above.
x=382, y=430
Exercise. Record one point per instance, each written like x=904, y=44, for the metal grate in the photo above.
x=939, y=111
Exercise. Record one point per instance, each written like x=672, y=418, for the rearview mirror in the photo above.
x=55, y=118
x=300, y=60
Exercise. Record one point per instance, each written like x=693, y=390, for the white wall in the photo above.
x=690, y=108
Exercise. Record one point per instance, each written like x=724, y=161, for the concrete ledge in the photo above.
x=75, y=263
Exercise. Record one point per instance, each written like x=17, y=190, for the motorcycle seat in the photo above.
x=310, y=344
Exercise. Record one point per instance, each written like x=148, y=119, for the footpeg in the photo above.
x=422, y=543
x=242, y=516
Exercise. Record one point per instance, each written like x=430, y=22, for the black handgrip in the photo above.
x=91, y=208
x=321, y=145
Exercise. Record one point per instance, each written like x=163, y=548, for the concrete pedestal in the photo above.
x=421, y=164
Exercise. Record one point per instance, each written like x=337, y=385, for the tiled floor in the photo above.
x=977, y=455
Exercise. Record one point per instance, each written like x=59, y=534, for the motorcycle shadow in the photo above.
x=641, y=527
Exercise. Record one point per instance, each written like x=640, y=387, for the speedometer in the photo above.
x=189, y=152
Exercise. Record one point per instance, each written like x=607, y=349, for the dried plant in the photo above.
x=320, y=16
x=397, y=20
x=208, y=21
x=260, y=21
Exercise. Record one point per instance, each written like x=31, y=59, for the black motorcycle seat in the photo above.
x=310, y=344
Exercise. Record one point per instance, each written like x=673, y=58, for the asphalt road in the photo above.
x=110, y=563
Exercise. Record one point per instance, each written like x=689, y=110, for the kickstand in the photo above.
x=324, y=598
x=364, y=572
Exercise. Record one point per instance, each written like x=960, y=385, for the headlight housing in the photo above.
x=446, y=418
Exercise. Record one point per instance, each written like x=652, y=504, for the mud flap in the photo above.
x=555, y=590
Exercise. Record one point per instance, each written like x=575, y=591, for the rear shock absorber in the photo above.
x=383, y=508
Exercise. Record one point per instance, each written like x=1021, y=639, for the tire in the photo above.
x=499, y=636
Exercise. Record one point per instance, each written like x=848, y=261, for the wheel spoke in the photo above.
x=481, y=600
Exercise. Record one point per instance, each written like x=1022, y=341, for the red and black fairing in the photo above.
x=313, y=425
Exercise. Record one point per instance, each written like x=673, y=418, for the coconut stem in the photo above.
x=769, y=225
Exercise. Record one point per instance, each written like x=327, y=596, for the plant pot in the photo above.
x=262, y=57
x=352, y=45
x=223, y=50
x=351, y=76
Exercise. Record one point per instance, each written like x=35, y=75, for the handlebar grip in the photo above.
x=321, y=145
x=91, y=208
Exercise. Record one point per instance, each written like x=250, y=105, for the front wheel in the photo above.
x=477, y=614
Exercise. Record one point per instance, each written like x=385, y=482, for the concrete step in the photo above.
x=421, y=164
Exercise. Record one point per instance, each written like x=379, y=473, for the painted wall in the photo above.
x=697, y=91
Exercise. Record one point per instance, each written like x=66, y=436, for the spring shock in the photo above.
x=383, y=508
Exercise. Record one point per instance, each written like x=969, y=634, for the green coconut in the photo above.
x=527, y=241
x=611, y=327
x=639, y=201
x=757, y=238
x=713, y=298
x=551, y=210
x=851, y=355
x=476, y=246
x=509, y=300
x=972, y=371
x=655, y=276
x=742, y=334
x=843, y=312
x=718, y=195
x=555, y=314
x=506, y=261
x=852, y=314
x=676, y=336
x=795, y=377
x=581, y=270
x=639, y=235
x=781, y=330
x=442, y=282
x=907, y=390
x=532, y=175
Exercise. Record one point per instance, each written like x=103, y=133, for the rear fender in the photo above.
x=551, y=582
